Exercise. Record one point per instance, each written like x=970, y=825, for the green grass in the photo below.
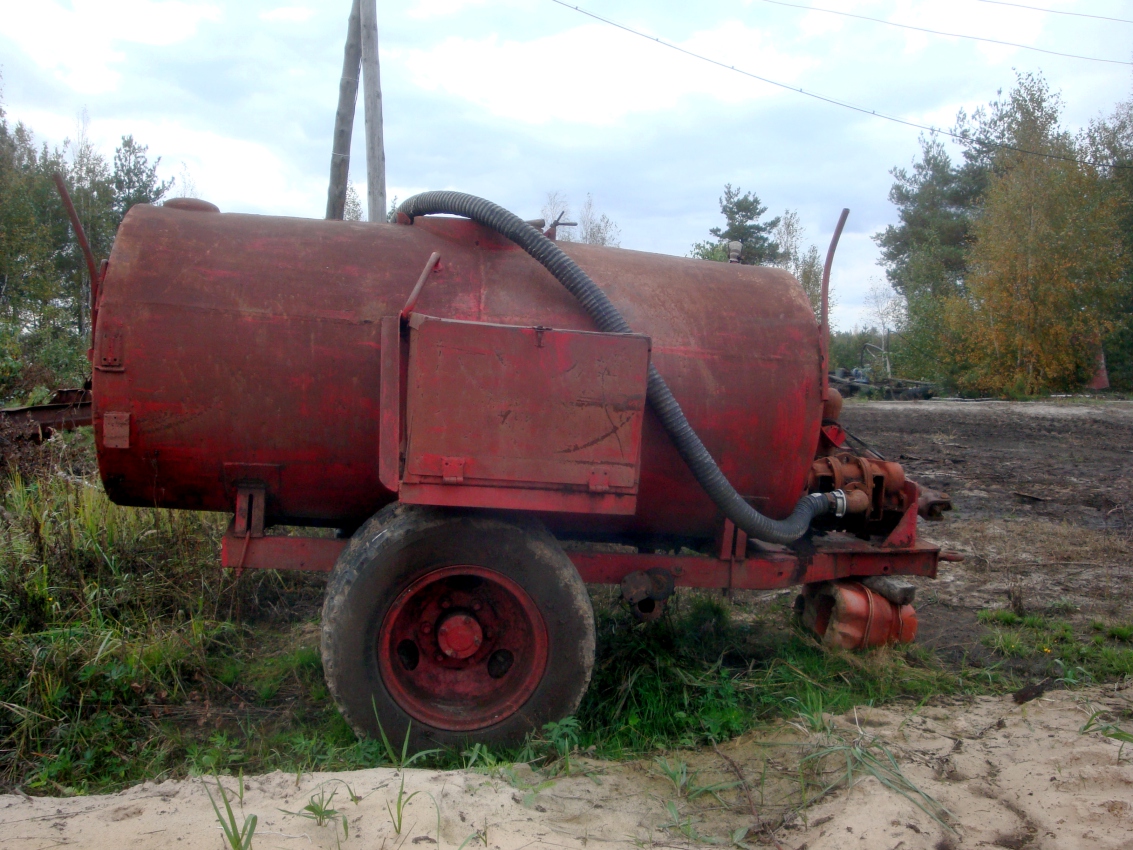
x=127, y=654
x=118, y=633
x=699, y=675
x=1121, y=633
x=1052, y=647
x=262, y=678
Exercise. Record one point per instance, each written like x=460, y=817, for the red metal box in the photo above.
x=502, y=416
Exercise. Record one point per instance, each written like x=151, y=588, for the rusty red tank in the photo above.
x=434, y=392
x=234, y=346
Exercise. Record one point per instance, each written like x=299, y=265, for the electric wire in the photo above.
x=1057, y=11
x=834, y=101
x=947, y=34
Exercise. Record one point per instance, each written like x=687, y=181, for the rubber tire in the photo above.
x=402, y=542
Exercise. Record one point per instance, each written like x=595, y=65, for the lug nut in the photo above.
x=476, y=606
x=426, y=628
x=445, y=603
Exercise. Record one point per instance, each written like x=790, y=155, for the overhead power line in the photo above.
x=948, y=34
x=1057, y=11
x=831, y=100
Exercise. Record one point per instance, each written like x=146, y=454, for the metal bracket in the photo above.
x=389, y=424
x=646, y=591
x=733, y=549
x=452, y=470
x=904, y=535
x=599, y=481
x=249, y=520
x=110, y=354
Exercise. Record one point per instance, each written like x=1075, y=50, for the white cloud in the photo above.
x=238, y=175
x=596, y=75
x=290, y=14
x=427, y=9
x=81, y=44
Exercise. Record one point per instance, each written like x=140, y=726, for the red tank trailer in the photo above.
x=430, y=389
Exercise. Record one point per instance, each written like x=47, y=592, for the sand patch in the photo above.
x=1012, y=776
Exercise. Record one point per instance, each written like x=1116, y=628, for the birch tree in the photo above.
x=1046, y=266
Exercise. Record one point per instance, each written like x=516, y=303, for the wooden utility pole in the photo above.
x=372, y=100
x=344, y=117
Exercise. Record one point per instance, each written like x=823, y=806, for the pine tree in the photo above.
x=134, y=180
x=742, y=211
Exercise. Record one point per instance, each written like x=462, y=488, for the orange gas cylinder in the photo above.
x=849, y=615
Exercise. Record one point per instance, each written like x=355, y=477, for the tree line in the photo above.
x=1011, y=268
x=44, y=284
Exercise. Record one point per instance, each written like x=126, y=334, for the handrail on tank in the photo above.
x=80, y=234
x=824, y=322
x=430, y=264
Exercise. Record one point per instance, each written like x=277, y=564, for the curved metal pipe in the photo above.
x=824, y=322
x=607, y=317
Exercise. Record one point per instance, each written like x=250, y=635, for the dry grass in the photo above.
x=1039, y=565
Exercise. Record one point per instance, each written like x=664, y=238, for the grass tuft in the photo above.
x=237, y=835
x=701, y=674
x=121, y=641
x=1046, y=646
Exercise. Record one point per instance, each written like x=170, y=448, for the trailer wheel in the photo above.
x=468, y=627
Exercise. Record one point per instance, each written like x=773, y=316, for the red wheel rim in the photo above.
x=462, y=648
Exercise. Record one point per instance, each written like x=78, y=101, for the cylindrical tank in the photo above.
x=244, y=345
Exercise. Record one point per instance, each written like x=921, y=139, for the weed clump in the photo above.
x=701, y=674
x=112, y=620
x=1048, y=646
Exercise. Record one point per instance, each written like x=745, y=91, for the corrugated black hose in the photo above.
x=607, y=318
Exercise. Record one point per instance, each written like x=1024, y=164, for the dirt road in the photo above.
x=1070, y=462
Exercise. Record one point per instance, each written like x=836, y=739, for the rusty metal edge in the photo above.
x=767, y=572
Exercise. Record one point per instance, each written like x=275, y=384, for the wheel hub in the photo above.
x=460, y=635
x=462, y=648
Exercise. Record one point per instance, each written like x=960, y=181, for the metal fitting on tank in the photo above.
x=853, y=501
x=831, y=405
x=839, y=502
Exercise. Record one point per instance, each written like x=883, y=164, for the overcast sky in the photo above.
x=514, y=98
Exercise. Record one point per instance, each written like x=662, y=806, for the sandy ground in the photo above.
x=1043, y=516
x=1010, y=776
